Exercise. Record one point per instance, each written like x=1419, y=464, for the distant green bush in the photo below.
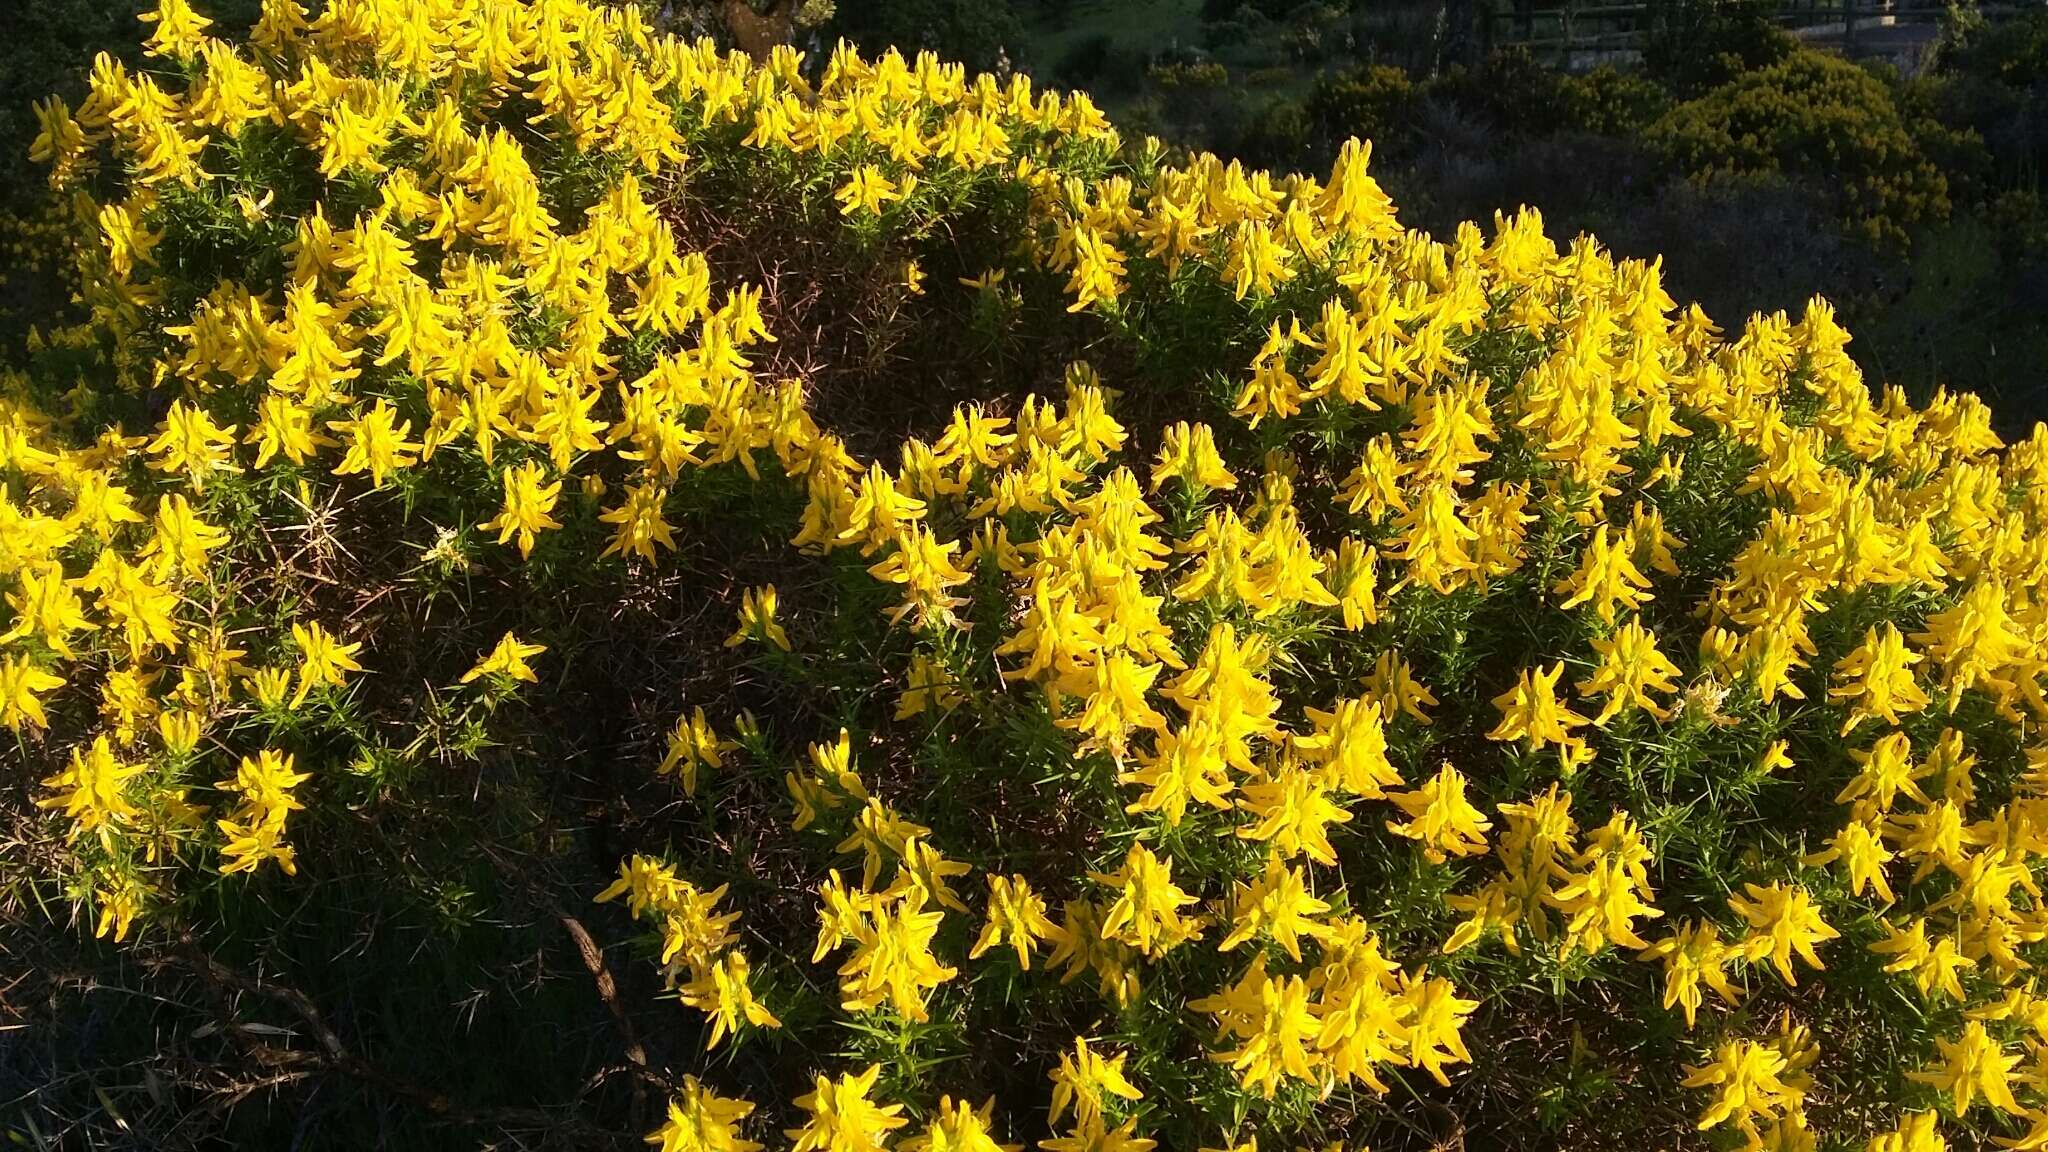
x=1189, y=74
x=1813, y=115
x=1610, y=102
x=1375, y=102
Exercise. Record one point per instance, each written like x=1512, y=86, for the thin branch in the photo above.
x=608, y=991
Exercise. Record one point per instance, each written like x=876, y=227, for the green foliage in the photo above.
x=1817, y=117
x=1610, y=102
x=1376, y=102
x=1702, y=44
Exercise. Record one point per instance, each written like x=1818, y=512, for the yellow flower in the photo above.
x=1354, y=581
x=1611, y=889
x=119, y=905
x=1294, y=812
x=641, y=524
x=1255, y=260
x=1086, y=1080
x=138, y=604
x=646, y=883
x=1974, y=1063
x=1607, y=576
x=1693, y=956
x=1392, y=685
x=1184, y=764
x=128, y=701
x=565, y=424
x=1974, y=642
x=1781, y=920
x=930, y=685
x=700, y=1120
x=1080, y=945
x=1859, y=846
x=507, y=659
x=1876, y=680
x=691, y=745
x=265, y=784
x=880, y=513
x=842, y=1118
x=182, y=541
x=1098, y=269
x=1441, y=818
x=180, y=731
x=1350, y=742
x=322, y=659
x=285, y=425
x=1187, y=452
x=1016, y=918
x=527, y=504
x=60, y=142
x=353, y=134
x=757, y=619
x=868, y=190
x=831, y=783
x=1146, y=912
x=924, y=566
x=1353, y=201
x=180, y=32
x=96, y=797
x=376, y=444
x=892, y=960
x=880, y=834
x=1362, y=1009
x=1273, y=1020
x=1933, y=836
x=926, y=869
x=21, y=682
x=1534, y=851
x=191, y=443
x=1748, y=1082
x=101, y=506
x=1934, y=967
x=255, y=832
x=269, y=686
x=1775, y=758
x=720, y=991
x=1916, y=1132
x=1531, y=711
x=1630, y=665
x=1099, y=1137
x=1888, y=772
x=127, y=242
x=1279, y=904
x=960, y=1127
x=1434, y=1015
x=1273, y=390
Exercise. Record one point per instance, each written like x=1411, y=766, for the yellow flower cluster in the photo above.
x=1458, y=452
x=702, y=957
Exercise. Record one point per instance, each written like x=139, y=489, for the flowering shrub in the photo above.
x=1044, y=642
x=1816, y=114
